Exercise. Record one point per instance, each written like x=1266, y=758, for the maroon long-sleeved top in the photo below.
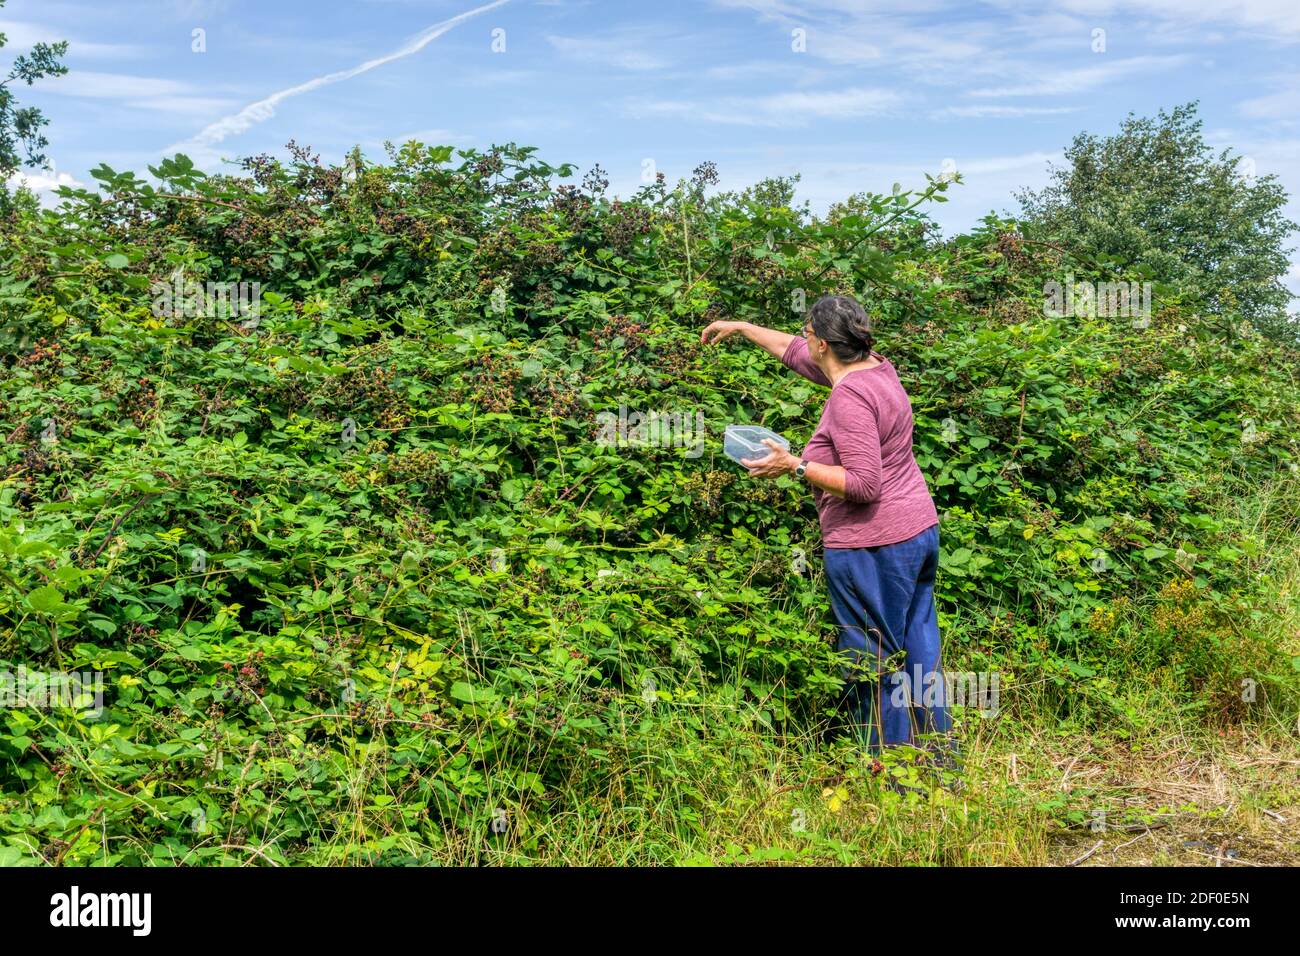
x=866, y=427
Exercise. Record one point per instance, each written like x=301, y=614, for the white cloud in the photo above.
x=1012, y=47
x=1005, y=164
x=1281, y=104
x=153, y=94
x=21, y=36
x=913, y=170
x=1275, y=16
x=43, y=180
x=43, y=183
x=430, y=137
x=779, y=109
x=741, y=71
x=193, y=106
x=621, y=51
x=988, y=182
x=1278, y=16
x=200, y=8
x=900, y=35
x=838, y=104
x=1085, y=78
x=264, y=109
x=488, y=78
x=112, y=86
x=1001, y=112
x=892, y=40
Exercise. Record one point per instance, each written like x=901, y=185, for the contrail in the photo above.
x=264, y=109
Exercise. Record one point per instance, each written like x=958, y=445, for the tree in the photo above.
x=21, y=128
x=1156, y=195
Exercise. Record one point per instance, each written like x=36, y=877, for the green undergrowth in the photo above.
x=365, y=585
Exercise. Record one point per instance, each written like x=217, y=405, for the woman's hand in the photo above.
x=770, y=340
x=715, y=332
x=779, y=462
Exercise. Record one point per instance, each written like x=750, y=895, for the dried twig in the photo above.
x=1073, y=761
x=1144, y=833
x=73, y=842
x=112, y=532
x=249, y=849
x=1088, y=854
x=1224, y=859
x=206, y=200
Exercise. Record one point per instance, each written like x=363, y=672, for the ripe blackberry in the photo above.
x=558, y=401
x=139, y=402
x=418, y=465
x=45, y=358
x=488, y=166
x=705, y=174
x=570, y=203
x=632, y=333
x=596, y=181
x=716, y=312
x=625, y=223
x=755, y=271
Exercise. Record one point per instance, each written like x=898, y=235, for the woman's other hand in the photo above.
x=715, y=332
x=779, y=462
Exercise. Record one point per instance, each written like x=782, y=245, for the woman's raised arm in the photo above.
x=770, y=340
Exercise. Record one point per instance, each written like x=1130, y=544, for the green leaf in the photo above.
x=103, y=625
x=48, y=600
x=958, y=557
x=13, y=856
x=469, y=694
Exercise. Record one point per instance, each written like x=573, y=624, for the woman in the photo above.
x=879, y=524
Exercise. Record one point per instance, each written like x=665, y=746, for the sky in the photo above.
x=852, y=95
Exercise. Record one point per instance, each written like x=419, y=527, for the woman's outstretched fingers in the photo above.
x=715, y=332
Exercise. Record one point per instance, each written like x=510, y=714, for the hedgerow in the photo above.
x=364, y=581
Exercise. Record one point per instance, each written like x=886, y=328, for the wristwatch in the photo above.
x=801, y=468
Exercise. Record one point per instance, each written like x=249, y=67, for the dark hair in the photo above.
x=844, y=325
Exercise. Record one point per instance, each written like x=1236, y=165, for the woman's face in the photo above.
x=811, y=338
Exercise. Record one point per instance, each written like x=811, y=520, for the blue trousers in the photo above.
x=883, y=602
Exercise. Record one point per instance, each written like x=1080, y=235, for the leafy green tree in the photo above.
x=21, y=127
x=1156, y=195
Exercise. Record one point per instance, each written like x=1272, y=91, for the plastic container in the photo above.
x=746, y=441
